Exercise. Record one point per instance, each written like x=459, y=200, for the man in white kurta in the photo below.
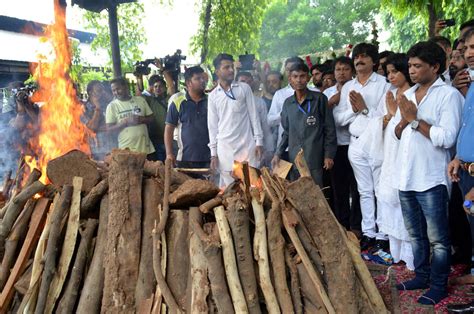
x=235, y=132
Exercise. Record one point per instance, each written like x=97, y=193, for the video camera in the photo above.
x=141, y=67
x=23, y=93
x=173, y=63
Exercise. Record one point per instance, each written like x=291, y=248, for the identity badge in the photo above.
x=311, y=120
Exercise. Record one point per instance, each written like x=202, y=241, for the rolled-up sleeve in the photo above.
x=252, y=110
x=444, y=133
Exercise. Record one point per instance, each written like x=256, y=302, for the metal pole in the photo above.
x=114, y=40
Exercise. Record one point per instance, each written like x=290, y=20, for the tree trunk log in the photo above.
x=51, y=255
x=260, y=251
x=295, y=282
x=199, y=281
x=152, y=196
x=321, y=294
x=122, y=252
x=308, y=293
x=177, y=270
x=18, y=232
x=68, y=301
x=93, y=198
x=232, y=274
x=217, y=278
x=91, y=294
x=238, y=217
x=307, y=198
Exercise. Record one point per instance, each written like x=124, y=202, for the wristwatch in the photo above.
x=415, y=124
x=365, y=111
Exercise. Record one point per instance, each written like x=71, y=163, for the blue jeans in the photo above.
x=466, y=183
x=426, y=218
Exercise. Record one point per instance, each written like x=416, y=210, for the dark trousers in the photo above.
x=460, y=232
x=466, y=183
x=426, y=218
x=346, y=205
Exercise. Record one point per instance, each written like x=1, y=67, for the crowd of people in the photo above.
x=390, y=134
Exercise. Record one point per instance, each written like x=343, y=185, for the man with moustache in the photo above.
x=188, y=113
x=344, y=184
x=271, y=84
x=359, y=101
x=235, y=132
x=308, y=124
x=317, y=71
x=429, y=118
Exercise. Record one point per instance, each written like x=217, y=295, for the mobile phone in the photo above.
x=449, y=22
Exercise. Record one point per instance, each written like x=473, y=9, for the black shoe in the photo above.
x=461, y=308
x=366, y=243
x=380, y=245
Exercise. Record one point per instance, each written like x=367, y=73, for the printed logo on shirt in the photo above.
x=135, y=111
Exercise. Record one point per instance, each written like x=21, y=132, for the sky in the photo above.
x=168, y=27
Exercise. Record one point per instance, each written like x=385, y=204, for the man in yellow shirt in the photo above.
x=129, y=116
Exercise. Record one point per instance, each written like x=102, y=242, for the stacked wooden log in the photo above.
x=137, y=236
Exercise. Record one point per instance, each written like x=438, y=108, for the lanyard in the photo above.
x=230, y=94
x=300, y=108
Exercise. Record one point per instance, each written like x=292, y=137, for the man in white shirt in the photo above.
x=235, y=132
x=430, y=117
x=359, y=101
x=344, y=184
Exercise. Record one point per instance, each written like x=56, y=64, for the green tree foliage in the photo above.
x=304, y=27
x=410, y=21
x=233, y=26
x=131, y=32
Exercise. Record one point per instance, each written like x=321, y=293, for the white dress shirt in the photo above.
x=262, y=111
x=373, y=92
x=342, y=131
x=274, y=114
x=422, y=162
x=234, y=127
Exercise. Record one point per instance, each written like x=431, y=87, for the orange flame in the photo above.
x=60, y=127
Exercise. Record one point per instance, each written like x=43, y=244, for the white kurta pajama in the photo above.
x=234, y=128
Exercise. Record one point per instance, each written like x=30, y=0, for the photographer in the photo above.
x=26, y=120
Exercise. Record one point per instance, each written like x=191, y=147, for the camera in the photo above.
x=23, y=93
x=172, y=63
x=246, y=62
x=141, y=67
x=449, y=22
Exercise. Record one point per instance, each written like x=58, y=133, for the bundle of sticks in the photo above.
x=138, y=236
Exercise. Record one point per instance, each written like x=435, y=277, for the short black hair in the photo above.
x=468, y=35
x=343, y=60
x=441, y=40
x=327, y=72
x=243, y=73
x=429, y=52
x=294, y=59
x=385, y=54
x=469, y=24
x=400, y=62
x=91, y=85
x=371, y=50
x=299, y=67
x=455, y=44
x=190, y=72
x=120, y=80
x=156, y=78
x=221, y=57
x=280, y=76
x=320, y=67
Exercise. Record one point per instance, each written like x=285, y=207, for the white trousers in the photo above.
x=401, y=251
x=367, y=174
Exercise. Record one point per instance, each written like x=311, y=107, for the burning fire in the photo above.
x=60, y=127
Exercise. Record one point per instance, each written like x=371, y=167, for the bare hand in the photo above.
x=214, y=162
x=172, y=159
x=391, y=104
x=275, y=161
x=439, y=26
x=259, y=152
x=357, y=101
x=328, y=163
x=453, y=168
x=334, y=100
x=408, y=109
x=461, y=79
